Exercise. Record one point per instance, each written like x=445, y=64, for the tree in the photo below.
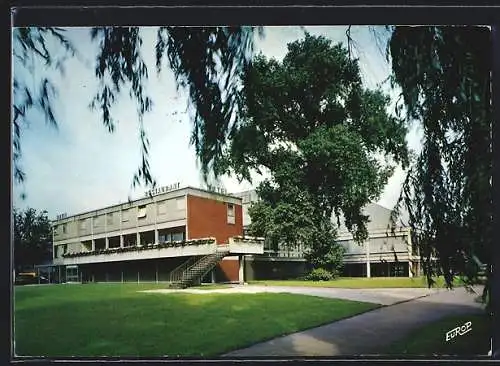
x=32, y=238
x=321, y=135
x=206, y=61
x=444, y=74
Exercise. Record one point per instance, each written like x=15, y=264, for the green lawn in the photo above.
x=117, y=320
x=431, y=339
x=359, y=282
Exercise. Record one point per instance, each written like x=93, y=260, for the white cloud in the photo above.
x=82, y=167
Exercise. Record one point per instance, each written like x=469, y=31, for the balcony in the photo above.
x=161, y=250
x=246, y=245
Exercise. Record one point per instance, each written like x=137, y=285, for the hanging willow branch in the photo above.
x=444, y=74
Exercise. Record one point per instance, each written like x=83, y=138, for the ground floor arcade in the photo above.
x=229, y=269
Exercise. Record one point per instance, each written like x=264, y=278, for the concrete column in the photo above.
x=121, y=241
x=122, y=275
x=156, y=273
x=157, y=236
x=93, y=244
x=368, y=274
x=138, y=238
x=106, y=245
x=410, y=253
x=241, y=274
x=53, y=246
x=213, y=275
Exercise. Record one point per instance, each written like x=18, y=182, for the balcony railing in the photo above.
x=283, y=253
x=162, y=245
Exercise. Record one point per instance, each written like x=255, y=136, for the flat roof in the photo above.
x=186, y=188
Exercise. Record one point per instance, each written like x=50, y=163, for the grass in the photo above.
x=94, y=320
x=359, y=282
x=431, y=339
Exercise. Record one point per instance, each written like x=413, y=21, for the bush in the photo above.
x=320, y=274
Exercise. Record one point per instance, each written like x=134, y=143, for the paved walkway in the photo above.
x=381, y=296
x=368, y=333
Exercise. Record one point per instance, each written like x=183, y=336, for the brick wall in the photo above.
x=208, y=218
x=227, y=271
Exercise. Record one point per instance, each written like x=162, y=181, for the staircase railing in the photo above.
x=177, y=273
x=199, y=267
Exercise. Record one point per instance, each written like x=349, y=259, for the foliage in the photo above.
x=309, y=122
x=444, y=74
x=32, y=46
x=32, y=238
x=319, y=274
x=206, y=61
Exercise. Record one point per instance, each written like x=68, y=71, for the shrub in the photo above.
x=320, y=274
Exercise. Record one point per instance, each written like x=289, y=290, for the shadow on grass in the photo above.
x=368, y=334
x=120, y=321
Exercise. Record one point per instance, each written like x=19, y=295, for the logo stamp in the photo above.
x=466, y=328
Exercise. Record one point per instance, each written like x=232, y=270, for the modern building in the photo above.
x=161, y=237
x=385, y=253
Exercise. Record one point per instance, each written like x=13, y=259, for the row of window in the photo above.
x=126, y=215
x=142, y=213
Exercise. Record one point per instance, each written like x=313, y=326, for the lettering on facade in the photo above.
x=216, y=189
x=164, y=189
x=61, y=216
x=467, y=327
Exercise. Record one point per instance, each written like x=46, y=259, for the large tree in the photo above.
x=32, y=238
x=323, y=138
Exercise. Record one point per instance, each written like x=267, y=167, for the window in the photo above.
x=64, y=228
x=165, y=238
x=62, y=250
x=230, y=213
x=162, y=208
x=141, y=211
x=97, y=221
x=178, y=236
x=125, y=215
x=109, y=219
x=83, y=224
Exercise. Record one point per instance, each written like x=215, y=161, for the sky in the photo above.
x=80, y=166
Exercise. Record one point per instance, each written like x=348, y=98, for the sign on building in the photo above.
x=164, y=189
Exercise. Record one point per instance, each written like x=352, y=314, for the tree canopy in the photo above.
x=323, y=137
x=32, y=238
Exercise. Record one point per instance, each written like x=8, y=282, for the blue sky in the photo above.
x=80, y=166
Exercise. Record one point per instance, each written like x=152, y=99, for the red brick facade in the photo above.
x=228, y=271
x=208, y=218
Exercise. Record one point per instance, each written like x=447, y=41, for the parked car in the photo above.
x=30, y=279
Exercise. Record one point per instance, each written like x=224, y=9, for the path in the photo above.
x=370, y=332
x=387, y=296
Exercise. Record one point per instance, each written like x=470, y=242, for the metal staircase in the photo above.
x=194, y=269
